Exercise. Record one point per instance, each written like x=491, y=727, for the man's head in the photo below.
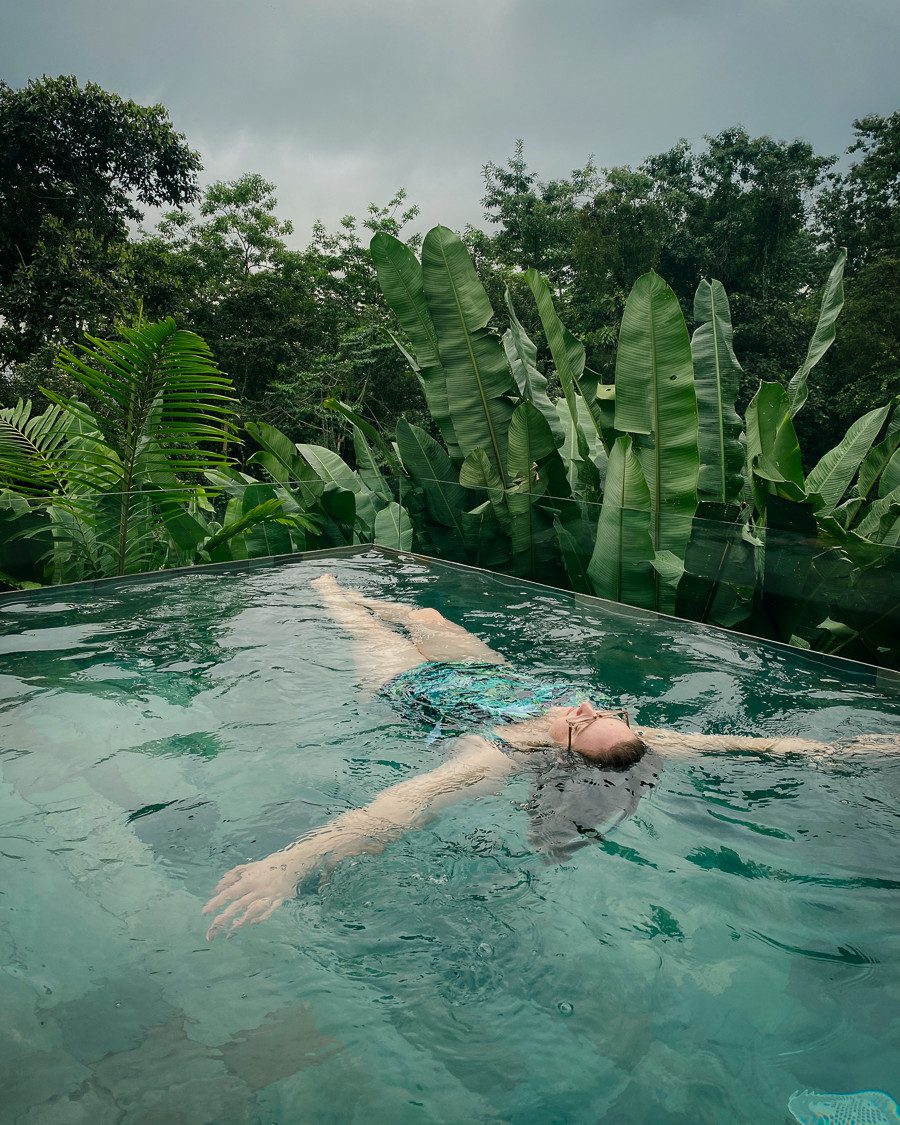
x=600, y=736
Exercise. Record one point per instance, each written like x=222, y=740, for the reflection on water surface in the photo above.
x=731, y=941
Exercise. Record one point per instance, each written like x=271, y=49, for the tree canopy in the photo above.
x=293, y=325
x=77, y=164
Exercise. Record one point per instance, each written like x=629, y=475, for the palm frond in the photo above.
x=164, y=409
x=53, y=452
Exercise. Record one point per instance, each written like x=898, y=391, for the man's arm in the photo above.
x=252, y=892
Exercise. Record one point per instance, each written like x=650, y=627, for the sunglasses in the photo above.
x=582, y=722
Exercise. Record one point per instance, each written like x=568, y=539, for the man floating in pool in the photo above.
x=429, y=667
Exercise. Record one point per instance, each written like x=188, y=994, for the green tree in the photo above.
x=621, y=235
x=77, y=164
x=861, y=210
x=291, y=327
x=352, y=357
x=227, y=273
x=739, y=210
x=538, y=220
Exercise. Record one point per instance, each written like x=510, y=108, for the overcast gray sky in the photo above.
x=340, y=102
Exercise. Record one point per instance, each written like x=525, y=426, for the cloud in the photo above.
x=341, y=102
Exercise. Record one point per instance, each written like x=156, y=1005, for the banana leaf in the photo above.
x=853, y=596
x=582, y=452
x=719, y=567
x=870, y=617
x=532, y=446
x=217, y=547
x=603, y=395
x=339, y=505
x=657, y=404
x=400, y=277
x=568, y=358
x=487, y=542
x=783, y=607
x=831, y=477
x=823, y=337
x=879, y=456
x=879, y=522
x=284, y=531
x=480, y=387
x=670, y=569
x=890, y=477
x=393, y=528
x=429, y=465
x=368, y=431
x=334, y=471
x=773, y=451
x=280, y=459
x=478, y=472
x=717, y=377
x=368, y=468
x=576, y=536
x=621, y=566
x=521, y=354
x=186, y=529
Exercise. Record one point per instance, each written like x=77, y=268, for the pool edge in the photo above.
x=886, y=678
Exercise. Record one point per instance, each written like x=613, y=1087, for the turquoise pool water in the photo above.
x=732, y=941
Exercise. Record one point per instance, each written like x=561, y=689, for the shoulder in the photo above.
x=473, y=752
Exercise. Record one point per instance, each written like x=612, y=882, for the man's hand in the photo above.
x=256, y=890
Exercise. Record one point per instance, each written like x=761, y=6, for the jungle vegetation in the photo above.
x=529, y=398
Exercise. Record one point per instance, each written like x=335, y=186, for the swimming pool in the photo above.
x=733, y=940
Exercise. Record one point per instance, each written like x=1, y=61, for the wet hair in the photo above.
x=624, y=753
x=574, y=800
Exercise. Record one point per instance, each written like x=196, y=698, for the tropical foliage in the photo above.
x=560, y=422
x=116, y=484
x=652, y=490
x=295, y=320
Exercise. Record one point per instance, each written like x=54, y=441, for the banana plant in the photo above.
x=621, y=567
x=521, y=354
x=655, y=491
x=831, y=477
x=822, y=337
x=402, y=283
x=445, y=312
x=536, y=494
x=579, y=387
x=480, y=386
x=717, y=377
x=393, y=527
x=657, y=404
x=431, y=471
x=720, y=559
